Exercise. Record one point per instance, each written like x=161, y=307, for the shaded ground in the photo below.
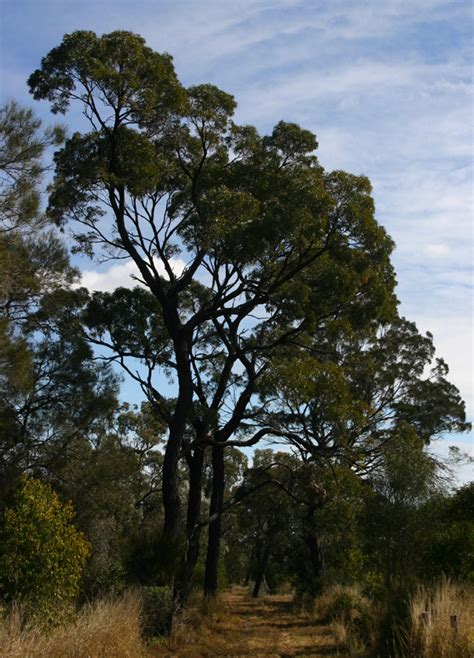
x=259, y=627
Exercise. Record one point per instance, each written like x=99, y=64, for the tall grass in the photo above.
x=352, y=617
x=431, y=633
x=105, y=629
x=362, y=627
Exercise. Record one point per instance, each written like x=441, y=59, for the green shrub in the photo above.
x=157, y=610
x=42, y=554
x=152, y=558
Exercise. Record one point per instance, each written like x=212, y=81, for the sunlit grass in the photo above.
x=107, y=628
x=441, y=622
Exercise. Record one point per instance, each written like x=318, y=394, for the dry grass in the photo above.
x=431, y=634
x=355, y=622
x=341, y=601
x=237, y=625
x=233, y=625
x=352, y=618
x=104, y=629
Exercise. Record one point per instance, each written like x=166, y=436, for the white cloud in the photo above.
x=125, y=275
x=202, y=33
x=452, y=335
x=437, y=251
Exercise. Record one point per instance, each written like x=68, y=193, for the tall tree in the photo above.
x=369, y=401
x=51, y=391
x=31, y=261
x=23, y=143
x=33, y=264
x=243, y=241
x=66, y=394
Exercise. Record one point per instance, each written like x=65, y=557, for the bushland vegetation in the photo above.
x=264, y=317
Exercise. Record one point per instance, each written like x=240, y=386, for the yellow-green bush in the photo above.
x=42, y=554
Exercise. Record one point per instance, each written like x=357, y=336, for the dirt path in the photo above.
x=256, y=627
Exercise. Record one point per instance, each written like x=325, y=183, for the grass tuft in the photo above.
x=431, y=633
x=109, y=628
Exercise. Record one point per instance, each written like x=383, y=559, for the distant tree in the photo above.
x=65, y=396
x=448, y=545
x=340, y=399
x=32, y=260
x=111, y=472
x=28, y=266
x=270, y=510
x=396, y=520
x=337, y=523
x=50, y=388
x=363, y=404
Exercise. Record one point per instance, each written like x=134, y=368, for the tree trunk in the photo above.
x=315, y=554
x=249, y=567
x=193, y=529
x=177, y=427
x=171, y=501
x=261, y=568
x=215, y=527
x=170, y=485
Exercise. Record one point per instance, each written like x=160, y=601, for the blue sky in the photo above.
x=386, y=86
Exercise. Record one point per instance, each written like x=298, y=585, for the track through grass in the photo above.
x=242, y=626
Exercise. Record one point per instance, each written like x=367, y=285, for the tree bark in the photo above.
x=315, y=554
x=249, y=567
x=261, y=568
x=193, y=529
x=215, y=527
x=177, y=427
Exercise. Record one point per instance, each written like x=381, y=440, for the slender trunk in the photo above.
x=261, y=568
x=215, y=527
x=193, y=529
x=315, y=554
x=249, y=567
x=171, y=500
x=170, y=485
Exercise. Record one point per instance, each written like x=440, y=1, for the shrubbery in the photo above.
x=42, y=554
x=157, y=610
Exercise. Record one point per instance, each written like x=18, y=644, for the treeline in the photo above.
x=265, y=300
